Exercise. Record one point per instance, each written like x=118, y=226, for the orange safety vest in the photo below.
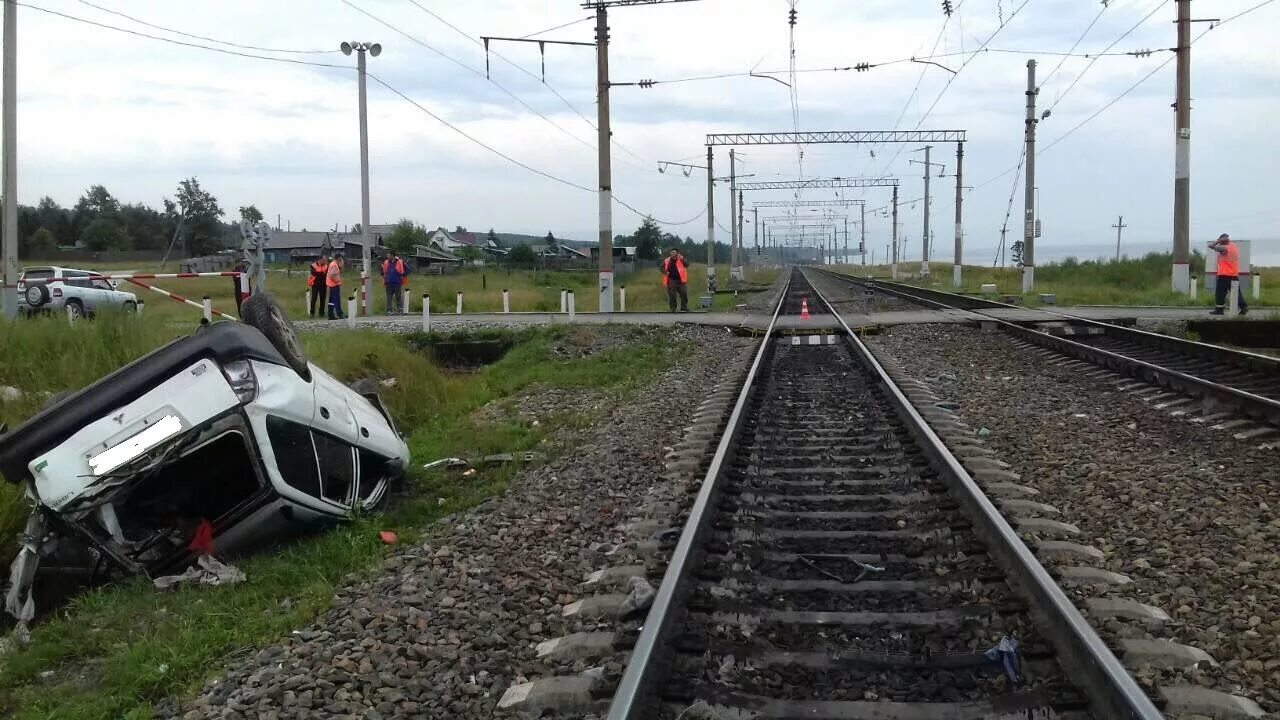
x=1229, y=262
x=399, y=268
x=681, y=268
x=317, y=268
x=333, y=276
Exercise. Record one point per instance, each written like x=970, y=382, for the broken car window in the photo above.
x=337, y=468
x=295, y=456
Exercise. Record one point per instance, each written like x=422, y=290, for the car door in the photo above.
x=80, y=287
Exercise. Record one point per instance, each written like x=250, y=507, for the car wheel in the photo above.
x=37, y=295
x=131, y=307
x=264, y=313
x=75, y=309
x=364, y=387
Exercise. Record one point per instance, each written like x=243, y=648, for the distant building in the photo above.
x=298, y=247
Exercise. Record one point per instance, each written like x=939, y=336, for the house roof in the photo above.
x=296, y=240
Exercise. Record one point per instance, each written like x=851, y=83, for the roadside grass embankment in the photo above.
x=115, y=652
x=1131, y=281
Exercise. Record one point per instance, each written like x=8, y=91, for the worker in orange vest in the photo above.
x=1228, y=272
x=316, y=283
x=333, y=281
x=393, y=278
x=675, y=277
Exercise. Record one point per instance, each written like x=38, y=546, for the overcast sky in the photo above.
x=135, y=114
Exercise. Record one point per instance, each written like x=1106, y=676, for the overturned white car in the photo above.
x=210, y=443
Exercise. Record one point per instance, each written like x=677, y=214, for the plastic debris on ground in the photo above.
x=1005, y=653
x=208, y=570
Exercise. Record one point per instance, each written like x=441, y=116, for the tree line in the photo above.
x=651, y=243
x=190, y=221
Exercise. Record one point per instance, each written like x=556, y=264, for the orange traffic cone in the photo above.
x=804, y=308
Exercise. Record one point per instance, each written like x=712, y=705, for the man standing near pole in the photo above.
x=333, y=281
x=393, y=278
x=1228, y=274
x=316, y=281
x=675, y=277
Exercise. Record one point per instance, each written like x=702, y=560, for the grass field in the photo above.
x=531, y=290
x=116, y=651
x=1135, y=281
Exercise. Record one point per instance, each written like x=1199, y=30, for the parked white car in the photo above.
x=77, y=292
x=218, y=441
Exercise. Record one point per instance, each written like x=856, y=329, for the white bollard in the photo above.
x=406, y=301
x=564, y=300
x=141, y=305
x=1233, y=299
x=622, y=299
x=71, y=318
x=306, y=301
x=573, y=305
x=459, y=310
x=1193, y=289
x=426, y=312
x=208, y=309
x=351, y=311
x=1257, y=286
x=506, y=301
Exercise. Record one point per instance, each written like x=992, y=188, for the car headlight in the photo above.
x=240, y=376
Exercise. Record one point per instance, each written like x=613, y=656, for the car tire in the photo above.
x=37, y=295
x=264, y=313
x=364, y=387
x=75, y=309
x=130, y=307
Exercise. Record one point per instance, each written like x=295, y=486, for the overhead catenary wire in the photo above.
x=558, y=27
x=131, y=18
x=522, y=69
x=1079, y=76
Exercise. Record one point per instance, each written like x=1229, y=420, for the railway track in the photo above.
x=839, y=562
x=1228, y=380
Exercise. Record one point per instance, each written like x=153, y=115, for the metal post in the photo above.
x=893, y=261
x=207, y=308
x=10, y=152
x=458, y=309
x=622, y=299
x=366, y=278
x=506, y=301
x=733, y=225
x=955, y=272
x=711, y=226
x=426, y=312
x=351, y=310
x=606, y=171
x=924, y=254
x=573, y=305
x=862, y=244
x=1119, y=226
x=1182, y=153
x=1029, y=211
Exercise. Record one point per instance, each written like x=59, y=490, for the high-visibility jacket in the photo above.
x=333, y=276
x=392, y=273
x=681, y=268
x=1229, y=260
x=318, y=270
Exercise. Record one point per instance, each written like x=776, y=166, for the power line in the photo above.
x=549, y=87
x=1126, y=34
x=171, y=41
x=202, y=37
x=558, y=27
x=1075, y=45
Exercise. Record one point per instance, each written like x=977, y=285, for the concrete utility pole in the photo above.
x=735, y=272
x=1119, y=226
x=1182, y=155
x=603, y=142
x=845, y=257
x=10, y=151
x=755, y=223
x=1029, y=211
x=924, y=254
x=893, y=262
x=366, y=278
x=955, y=270
x=711, y=225
x=862, y=244
x=742, y=241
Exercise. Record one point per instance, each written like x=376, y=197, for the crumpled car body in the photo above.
x=214, y=442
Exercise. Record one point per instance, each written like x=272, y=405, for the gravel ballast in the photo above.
x=1188, y=512
x=449, y=624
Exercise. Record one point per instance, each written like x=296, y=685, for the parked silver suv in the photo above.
x=77, y=292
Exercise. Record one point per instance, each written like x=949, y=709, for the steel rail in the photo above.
x=1088, y=661
x=635, y=689
x=1251, y=404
